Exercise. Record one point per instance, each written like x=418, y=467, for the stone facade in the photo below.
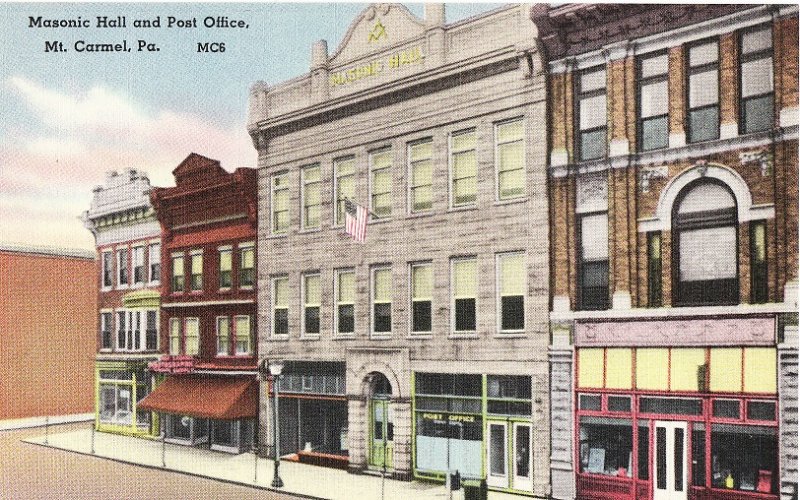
x=419, y=79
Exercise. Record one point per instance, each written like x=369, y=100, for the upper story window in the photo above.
x=703, y=91
x=344, y=171
x=154, y=260
x=592, y=116
x=311, y=195
x=756, y=74
x=420, y=165
x=510, y=159
x=421, y=297
x=192, y=328
x=706, y=247
x=137, y=330
x=511, y=287
x=242, y=333
x=174, y=336
x=593, y=272
x=178, y=273
x=225, y=267
x=382, y=300
x=380, y=183
x=247, y=265
x=280, y=306
x=122, y=267
x=107, y=263
x=311, y=304
x=653, y=102
x=464, y=293
x=106, y=330
x=223, y=335
x=196, y=257
x=138, y=265
x=758, y=262
x=463, y=168
x=345, y=301
x=280, y=203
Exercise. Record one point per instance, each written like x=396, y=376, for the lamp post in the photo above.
x=275, y=369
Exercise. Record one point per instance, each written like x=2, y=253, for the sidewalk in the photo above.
x=300, y=479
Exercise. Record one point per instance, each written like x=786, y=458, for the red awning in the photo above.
x=222, y=398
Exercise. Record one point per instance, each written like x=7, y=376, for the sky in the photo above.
x=69, y=117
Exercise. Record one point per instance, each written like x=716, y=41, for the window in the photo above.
x=280, y=306
x=138, y=265
x=380, y=168
x=654, y=269
x=758, y=262
x=115, y=404
x=280, y=203
x=593, y=274
x=755, y=72
x=108, y=270
x=511, y=274
x=192, y=336
x=463, y=169
x=122, y=267
x=247, y=265
x=225, y=267
x=312, y=201
x=345, y=188
x=311, y=304
x=706, y=246
x=510, y=158
x=382, y=300
x=606, y=446
x=197, y=270
x=345, y=301
x=465, y=286
x=174, y=336
x=137, y=330
x=592, y=114
x=121, y=332
x=154, y=259
x=106, y=326
x=703, y=90
x=242, y=332
x=223, y=335
x=421, y=297
x=178, y=273
x=653, y=102
x=151, y=333
x=744, y=458
x=420, y=160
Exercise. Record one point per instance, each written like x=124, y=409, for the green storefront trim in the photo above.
x=128, y=430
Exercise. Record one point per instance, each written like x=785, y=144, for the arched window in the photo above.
x=705, y=246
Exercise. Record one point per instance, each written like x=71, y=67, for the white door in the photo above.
x=522, y=446
x=669, y=461
x=497, y=455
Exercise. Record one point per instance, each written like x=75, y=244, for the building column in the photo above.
x=729, y=86
x=785, y=41
x=561, y=103
x=562, y=237
x=562, y=469
x=357, y=433
x=619, y=69
x=402, y=439
x=677, y=97
x=788, y=401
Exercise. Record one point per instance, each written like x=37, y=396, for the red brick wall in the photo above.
x=47, y=335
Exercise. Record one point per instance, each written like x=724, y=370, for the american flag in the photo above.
x=355, y=220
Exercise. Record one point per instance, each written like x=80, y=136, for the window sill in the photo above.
x=380, y=220
x=419, y=336
x=310, y=230
x=106, y=288
x=420, y=214
x=246, y=288
x=153, y=283
x=310, y=337
x=380, y=336
x=511, y=201
x=464, y=208
x=465, y=335
x=509, y=335
x=276, y=236
x=224, y=290
x=278, y=338
x=343, y=336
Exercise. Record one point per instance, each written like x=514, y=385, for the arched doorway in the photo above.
x=381, y=422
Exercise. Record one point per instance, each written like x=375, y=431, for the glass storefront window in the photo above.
x=744, y=458
x=589, y=402
x=115, y=404
x=671, y=406
x=224, y=432
x=644, y=448
x=699, y=455
x=181, y=427
x=606, y=446
x=453, y=439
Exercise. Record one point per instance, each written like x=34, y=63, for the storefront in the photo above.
x=313, y=413
x=120, y=385
x=216, y=410
x=677, y=423
x=479, y=425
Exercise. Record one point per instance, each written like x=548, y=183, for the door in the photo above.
x=497, y=454
x=522, y=446
x=669, y=461
x=381, y=434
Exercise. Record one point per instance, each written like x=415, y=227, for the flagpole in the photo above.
x=370, y=212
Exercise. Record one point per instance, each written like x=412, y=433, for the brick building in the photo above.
x=425, y=348
x=673, y=176
x=209, y=393
x=47, y=333
x=128, y=276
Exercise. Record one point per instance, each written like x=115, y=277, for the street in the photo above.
x=34, y=472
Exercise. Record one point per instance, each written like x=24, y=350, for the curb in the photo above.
x=185, y=473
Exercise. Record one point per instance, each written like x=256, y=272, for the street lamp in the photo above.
x=275, y=369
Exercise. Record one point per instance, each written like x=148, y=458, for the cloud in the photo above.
x=49, y=168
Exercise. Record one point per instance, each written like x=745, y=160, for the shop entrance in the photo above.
x=669, y=461
x=381, y=423
x=508, y=455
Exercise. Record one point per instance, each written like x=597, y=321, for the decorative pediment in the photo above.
x=197, y=168
x=378, y=27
